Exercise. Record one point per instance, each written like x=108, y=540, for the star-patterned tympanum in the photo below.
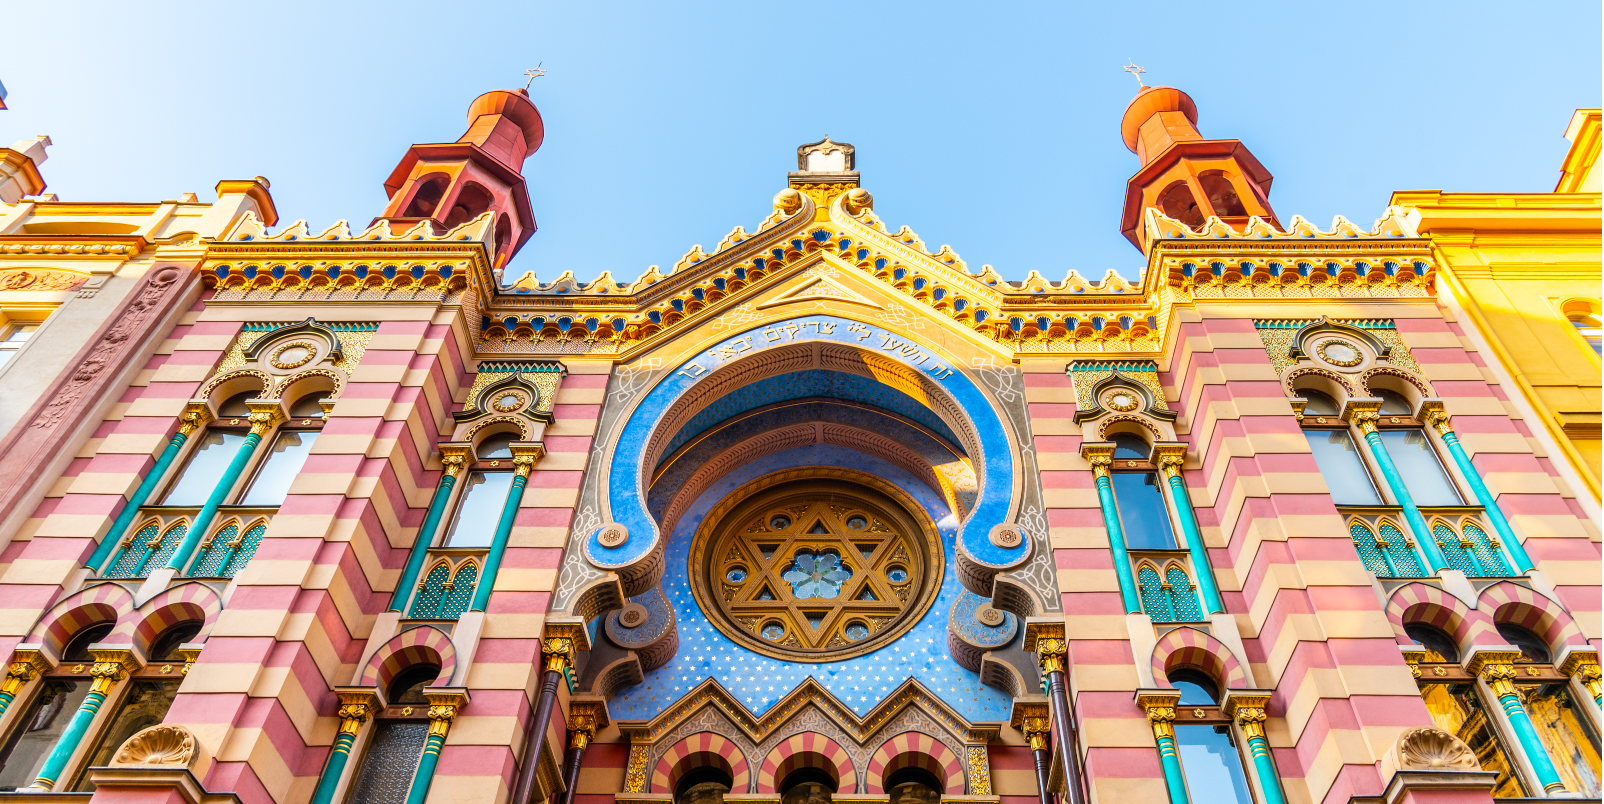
x=815, y=570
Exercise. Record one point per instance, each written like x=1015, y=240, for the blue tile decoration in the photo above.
x=804, y=384
x=723, y=437
x=860, y=682
x=995, y=468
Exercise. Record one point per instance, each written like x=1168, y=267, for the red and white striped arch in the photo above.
x=807, y=750
x=1189, y=647
x=1506, y=602
x=914, y=750
x=700, y=750
x=422, y=645
x=97, y=604
x=1423, y=604
x=188, y=602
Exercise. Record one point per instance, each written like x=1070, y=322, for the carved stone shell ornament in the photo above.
x=1427, y=748
x=157, y=745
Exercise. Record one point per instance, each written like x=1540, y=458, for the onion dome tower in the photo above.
x=1184, y=175
x=452, y=183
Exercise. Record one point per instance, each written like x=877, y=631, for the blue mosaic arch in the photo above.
x=625, y=491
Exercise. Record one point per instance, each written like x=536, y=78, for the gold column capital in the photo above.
x=1365, y=419
x=559, y=653
x=1497, y=668
x=1413, y=655
x=195, y=416
x=1100, y=454
x=356, y=706
x=1160, y=707
x=525, y=455
x=454, y=457
x=1034, y=720
x=26, y=665
x=1170, y=457
x=1046, y=639
x=111, y=666
x=444, y=704
x=264, y=414
x=1432, y=413
x=1248, y=711
x=1583, y=666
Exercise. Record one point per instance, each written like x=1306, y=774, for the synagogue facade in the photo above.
x=822, y=513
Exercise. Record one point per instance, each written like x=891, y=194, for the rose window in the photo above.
x=815, y=570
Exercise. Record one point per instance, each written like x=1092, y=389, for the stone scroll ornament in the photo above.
x=25, y=454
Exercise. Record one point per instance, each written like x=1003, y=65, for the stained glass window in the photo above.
x=215, y=552
x=138, y=547
x=427, y=606
x=390, y=762
x=1454, y=550
x=245, y=551
x=1155, y=601
x=1487, y=551
x=1399, y=552
x=1183, y=595
x=462, y=587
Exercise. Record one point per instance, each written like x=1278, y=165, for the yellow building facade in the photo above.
x=1522, y=272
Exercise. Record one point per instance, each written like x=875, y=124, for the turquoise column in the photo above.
x=125, y=518
x=431, y=523
x=509, y=513
x=1497, y=668
x=1389, y=470
x=355, y=708
x=225, y=484
x=1248, y=710
x=1484, y=495
x=1170, y=465
x=1116, y=536
x=106, y=675
x=443, y=709
x=1160, y=708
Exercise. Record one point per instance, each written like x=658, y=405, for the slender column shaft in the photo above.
x=431, y=523
x=576, y=755
x=260, y=424
x=558, y=652
x=1174, y=781
x=1497, y=668
x=1250, y=715
x=440, y=717
x=353, y=713
x=1051, y=653
x=1269, y=784
x=107, y=671
x=1194, y=535
x=1043, y=771
x=147, y=486
x=1506, y=534
x=1160, y=707
x=1116, y=539
x=498, y=545
x=1417, y=523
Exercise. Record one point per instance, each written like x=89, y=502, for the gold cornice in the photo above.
x=103, y=247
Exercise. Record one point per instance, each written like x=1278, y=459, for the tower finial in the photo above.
x=1136, y=72
x=537, y=72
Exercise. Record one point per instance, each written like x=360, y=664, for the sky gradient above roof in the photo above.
x=992, y=128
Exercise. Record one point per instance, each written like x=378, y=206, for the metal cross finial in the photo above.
x=536, y=73
x=1136, y=72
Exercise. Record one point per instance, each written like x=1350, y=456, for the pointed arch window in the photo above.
x=1389, y=556
x=1455, y=549
x=147, y=550
x=1488, y=551
x=1171, y=597
x=445, y=595
x=228, y=551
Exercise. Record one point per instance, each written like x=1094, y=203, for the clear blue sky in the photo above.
x=990, y=126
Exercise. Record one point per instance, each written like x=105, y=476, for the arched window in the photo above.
x=149, y=548
x=145, y=702
x=426, y=198
x=1171, y=597
x=1221, y=194
x=228, y=551
x=1319, y=403
x=407, y=686
x=445, y=595
x=1392, y=403
x=496, y=446
x=1390, y=556
x=913, y=785
x=1211, y=761
x=1488, y=552
x=1177, y=202
x=707, y=784
x=472, y=201
x=1155, y=598
x=1455, y=549
x=1532, y=648
x=1440, y=648
x=1588, y=326
x=808, y=786
x=1456, y=708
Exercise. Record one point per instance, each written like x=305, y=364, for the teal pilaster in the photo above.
x=1194, y=536
x=107, y=672
x=125, y=517
x=430, y=759
x=1484, y=495
x=1269, y=785
x=355, y=709
x=1389, y=470
x=1497, y=668
x=509, y=513
x=1116, y=539
x=1160, y=707
x=225, y=484
x=431, y=523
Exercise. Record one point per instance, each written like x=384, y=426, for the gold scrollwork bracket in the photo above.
x=357, y=704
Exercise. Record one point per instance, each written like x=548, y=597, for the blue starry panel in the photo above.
x=1405, y=563
x=427, y=606
x=1154, y=600
x=211, y=561
x=461, y=592
x=1183, y=595
x=246, y=550
x=1453, y=550
x=123, y=567
x=1364, y=542
x=1492, y=559
x=759, y=681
